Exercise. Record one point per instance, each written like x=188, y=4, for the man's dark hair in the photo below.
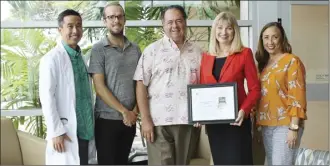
x=177, y=7
x=67, y=12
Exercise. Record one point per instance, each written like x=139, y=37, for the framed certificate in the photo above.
x=212, y=103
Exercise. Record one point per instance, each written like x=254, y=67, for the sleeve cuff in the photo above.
x=247, y=113
x=297, y=112
x=56, y=133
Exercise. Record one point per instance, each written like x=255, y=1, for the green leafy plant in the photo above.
x=22, y=49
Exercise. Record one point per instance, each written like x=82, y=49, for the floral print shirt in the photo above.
x=166, y=71
x=283, y=92
x=84, y=105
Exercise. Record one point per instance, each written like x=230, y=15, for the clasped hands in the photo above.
x=130, y=117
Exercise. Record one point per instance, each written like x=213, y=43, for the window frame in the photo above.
x=247, y=8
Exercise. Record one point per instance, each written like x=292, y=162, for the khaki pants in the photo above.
x=173, y=145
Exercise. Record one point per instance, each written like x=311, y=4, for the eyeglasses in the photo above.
x=113, y=17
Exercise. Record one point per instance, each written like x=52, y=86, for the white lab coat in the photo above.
x=58, y=101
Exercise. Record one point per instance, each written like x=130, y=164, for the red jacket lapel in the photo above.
x=208, y=62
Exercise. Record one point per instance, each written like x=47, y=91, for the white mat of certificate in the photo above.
x=215, y=103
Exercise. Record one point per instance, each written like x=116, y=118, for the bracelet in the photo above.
x=293, y=129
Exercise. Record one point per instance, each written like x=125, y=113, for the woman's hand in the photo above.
x=197, y=125
x=257, y=134
x=239, y=119
x=292, y=139
x=256, y=129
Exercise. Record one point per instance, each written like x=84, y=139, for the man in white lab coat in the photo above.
x=66, y=96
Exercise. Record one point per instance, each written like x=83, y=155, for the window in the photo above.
x=144, y=36
x=36, y=41
x=29, y=31
x=48, y=10
x=196, y=10
x=21, y=50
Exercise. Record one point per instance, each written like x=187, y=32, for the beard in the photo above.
x=120, y=33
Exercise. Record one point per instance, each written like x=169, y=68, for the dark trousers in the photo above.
x=231, y=145
x=83, y=151
x=113, y=141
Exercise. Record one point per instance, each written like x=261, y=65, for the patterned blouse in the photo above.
x=283, y=91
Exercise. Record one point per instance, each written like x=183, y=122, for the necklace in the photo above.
x=222, y=55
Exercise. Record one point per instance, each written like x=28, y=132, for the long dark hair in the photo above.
x=262, y=56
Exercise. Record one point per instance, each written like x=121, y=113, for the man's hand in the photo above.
x=136, y=110
x=58, y=142
x=130, y=118
x=148, y=129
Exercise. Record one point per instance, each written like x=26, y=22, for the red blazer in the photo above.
x=237, y=67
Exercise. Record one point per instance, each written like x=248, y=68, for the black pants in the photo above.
x=231, y=145
x=113, y=141
x=83, y=151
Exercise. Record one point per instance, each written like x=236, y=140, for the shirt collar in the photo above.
x=172, y=43
x=106, y=42
x=71, y=51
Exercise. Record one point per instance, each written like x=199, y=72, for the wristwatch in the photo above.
x=294, y=127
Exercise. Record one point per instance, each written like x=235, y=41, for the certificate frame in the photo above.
x=217, y=86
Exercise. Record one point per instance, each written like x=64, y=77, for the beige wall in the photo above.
x=309, y=39
x=316, y=133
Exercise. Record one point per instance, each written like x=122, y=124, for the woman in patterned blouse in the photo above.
x=282, y=107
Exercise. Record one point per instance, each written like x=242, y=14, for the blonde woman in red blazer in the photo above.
x=229, y=61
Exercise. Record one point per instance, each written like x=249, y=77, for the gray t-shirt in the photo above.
x=118, y=66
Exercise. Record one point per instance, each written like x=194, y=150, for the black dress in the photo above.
x=230, y=145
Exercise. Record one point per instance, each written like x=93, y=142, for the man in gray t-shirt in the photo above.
x=112, y=65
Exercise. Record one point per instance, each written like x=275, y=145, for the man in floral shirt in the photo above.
x=164, y=70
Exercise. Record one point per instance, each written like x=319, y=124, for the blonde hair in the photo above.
x=236, y=45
